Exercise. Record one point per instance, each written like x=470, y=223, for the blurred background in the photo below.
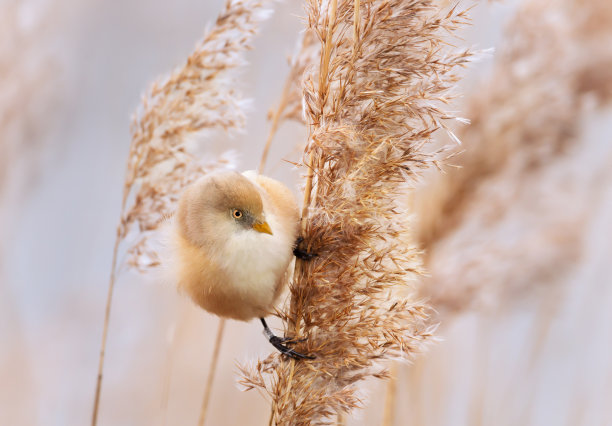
x=517, y=241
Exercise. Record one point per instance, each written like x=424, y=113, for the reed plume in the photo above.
x=372, y=102
x=522, y=169
x=166, y=153
x=30, y=90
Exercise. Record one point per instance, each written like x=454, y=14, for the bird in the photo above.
x=235, y=237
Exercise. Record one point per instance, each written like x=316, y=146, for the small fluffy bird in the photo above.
x=235, y=238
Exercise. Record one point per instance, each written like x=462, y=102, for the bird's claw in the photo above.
x=281, y=342
x=277, y=342
x=286, y=340
x=302, y=254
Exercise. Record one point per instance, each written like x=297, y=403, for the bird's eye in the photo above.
x=236, y=213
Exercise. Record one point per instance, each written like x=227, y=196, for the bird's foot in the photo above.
x=285, y=340
x=300, y=253
x=287, y=351
x=281, y=343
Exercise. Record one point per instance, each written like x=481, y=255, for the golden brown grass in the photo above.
x=390, y=398
x=165, y=155
x=290, y=103
x=211, y=373
x=371, y=103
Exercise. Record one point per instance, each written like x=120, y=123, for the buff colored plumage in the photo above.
x=234, y=240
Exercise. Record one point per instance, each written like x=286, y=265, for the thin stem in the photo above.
x=356, y=26
x=166, y=384
x=297, y=271
x=324, y=70
x=271, y=420
x=109, y=299
x=323, y=83
x=415, y=386
x=389, y=412
x=174, y=346
x=211, y=372
x=276, y=121
x=307, y=195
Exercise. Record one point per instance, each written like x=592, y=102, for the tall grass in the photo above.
x=371, y=102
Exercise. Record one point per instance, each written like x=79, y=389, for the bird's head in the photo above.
x=218, y=205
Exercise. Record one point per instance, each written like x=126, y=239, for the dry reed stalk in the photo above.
x=199, y=96
x=211, y=372
x=290, y=104
x=390, y=398
x=479, y=381
x=371, y=104
x=521, y=167
x=274, y=123
x=176, y=337
x=164, y=153
x=415, y=378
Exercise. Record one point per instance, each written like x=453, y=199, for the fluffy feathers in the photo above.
x=225, y=265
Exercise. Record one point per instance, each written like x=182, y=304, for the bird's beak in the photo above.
x=262, y=227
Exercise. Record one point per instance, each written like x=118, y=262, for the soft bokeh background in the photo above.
x=71, y=75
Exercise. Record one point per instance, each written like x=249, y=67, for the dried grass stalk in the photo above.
x=307, y=55
x=521, y=171
x=211, y=373
x=290, y=103
x=372, y=102
x=164, y=153
x=390, y=398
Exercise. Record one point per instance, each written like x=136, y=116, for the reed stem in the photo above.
x=323, y=82
x=211, y=373
x=391, y=398
x=278, y=112
x=109, y=299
